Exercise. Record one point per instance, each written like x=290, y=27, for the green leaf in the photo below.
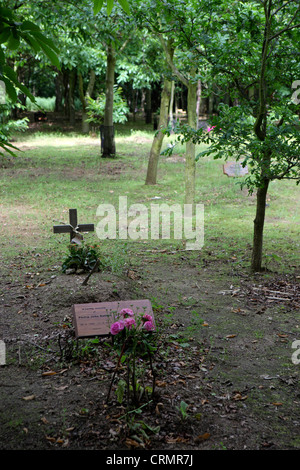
x=125, y=5
x=32, y=43
x=5, y=35
x=44, y=40
x=6, y=13
x=10, y=89
x=12, y=76
x=2, y=57
x=29, y=26
x=97, y=6
x=50, y=54
x=110, y=4
x=13, y=42
x=120, y=390
x=6, y=148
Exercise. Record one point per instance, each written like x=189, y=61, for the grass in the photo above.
x=56, y=172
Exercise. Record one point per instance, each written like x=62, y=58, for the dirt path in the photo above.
x=225, y=351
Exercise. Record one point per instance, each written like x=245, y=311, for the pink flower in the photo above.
x=149, y=326
x=125, y=312
x=147, y=317
x=210, y=128
x=117, y=327
x=129, y=322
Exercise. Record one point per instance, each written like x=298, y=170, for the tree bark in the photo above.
x=151, y=177
x=171, y=118
x=148, y=107
x=108, y=142
x=71, y=88
x=84, y=98
x=256, y=262
x=190, y=164
x=198, y=108
x=65, y=78
x=59, y=92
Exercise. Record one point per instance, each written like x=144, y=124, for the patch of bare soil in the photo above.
x=225, y=352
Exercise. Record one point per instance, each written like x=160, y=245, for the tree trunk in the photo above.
x=71, y=88
x=148, y=107
x=199, y=92
x=256, y=263
x=65, y=78
x=190, y=164
x=191, y=84
x=171, y=118
x=159, y=136
x=108, y=143
x=84, y=98
x=59, y=92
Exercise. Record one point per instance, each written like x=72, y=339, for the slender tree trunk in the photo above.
x=65, y=77
x=191, y=84
x=199, y=92
x=171, y=118
x=256, y=263
x=71, y=88
x=84, y=98
x=151, y=177
x=260, y=129
x=108, y=142
x=190, y=164
x=148, y=107
x=59, y=92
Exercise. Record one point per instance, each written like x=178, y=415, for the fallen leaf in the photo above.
x=50, y=372
x=238, y=396
x=132, y=443
x=29, y=397
x=173, y=440
x=160, y=383
x=202, y=437
x=230, y=336
x=277, y=404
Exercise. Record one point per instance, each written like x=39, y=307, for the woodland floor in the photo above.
x=233, y=367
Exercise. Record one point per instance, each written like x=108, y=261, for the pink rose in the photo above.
x=147, y=317
x=117, y=327
x=125, y=312
x=149, y=326
x=129, y=322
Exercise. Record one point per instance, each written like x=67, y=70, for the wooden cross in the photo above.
x=73, y=228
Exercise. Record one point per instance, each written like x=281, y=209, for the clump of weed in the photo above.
x=83, y=257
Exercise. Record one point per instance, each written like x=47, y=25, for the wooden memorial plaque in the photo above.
x=95, y=319
x=234, y=169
